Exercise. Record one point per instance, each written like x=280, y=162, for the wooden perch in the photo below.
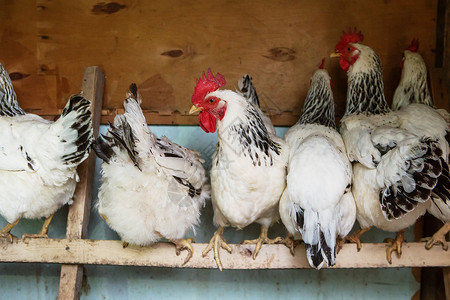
x=78, y=217
x=106, y=252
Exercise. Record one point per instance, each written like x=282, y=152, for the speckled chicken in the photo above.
x=397, y=154
x=39, y=158
x=151, y=187
x=248, y=170
x=318, y=202
x=413, y=88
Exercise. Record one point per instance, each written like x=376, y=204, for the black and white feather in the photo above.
x=413, y=88
x=397, y=154
x=38, y=158
x=151, y=187
x=318, y=202
x=8, y=99
x=248, y=90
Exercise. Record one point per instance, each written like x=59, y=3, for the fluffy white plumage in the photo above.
x=413, y=88
x=396, y=154
x=240, y=174
x=318, y=201
x=413, y=85
x=38, y=158
x=151, y=188
x=248, y=172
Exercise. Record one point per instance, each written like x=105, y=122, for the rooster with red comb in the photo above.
x=248, y=170
x=399, y=156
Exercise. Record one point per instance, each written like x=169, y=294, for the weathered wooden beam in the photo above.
x=78, y=217
x=107, y=252
x=446, y=272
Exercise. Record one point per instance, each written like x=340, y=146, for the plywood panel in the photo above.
x=164, y=45
x=104, y=252
x=18, y=54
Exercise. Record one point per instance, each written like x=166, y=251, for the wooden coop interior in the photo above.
x=50, y=47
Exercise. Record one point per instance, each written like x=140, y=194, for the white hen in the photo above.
x=151, y=188
x=38, y=158
x=396, y=154
x=248, y=171
x=319, y=202
x=413, y=88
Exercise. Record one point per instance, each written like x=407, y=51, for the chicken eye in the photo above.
x=349, y=49
x=211, y=100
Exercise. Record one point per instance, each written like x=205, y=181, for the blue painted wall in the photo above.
x=40, y=281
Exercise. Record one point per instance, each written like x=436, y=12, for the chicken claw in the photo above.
x=184, y=244
x=216, y=242
x=289, y=242
x=354, y=238
x=5, y=232
x=438, y=238
x=263, y=239
x=44, y=231
x=396, y=245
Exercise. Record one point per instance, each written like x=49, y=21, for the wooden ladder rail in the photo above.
x=429, y=288
x=79, y=211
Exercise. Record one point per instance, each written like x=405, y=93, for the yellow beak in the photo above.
x=195, y=109
x=335, y=54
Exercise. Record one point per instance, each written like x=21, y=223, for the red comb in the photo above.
x=414, y=45
x=353, y=36
x=206, y=85
x=322, y=64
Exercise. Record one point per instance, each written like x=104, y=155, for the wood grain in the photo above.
x=163, y=46
x=106, y=252
x=78, y=216
x=446, y=273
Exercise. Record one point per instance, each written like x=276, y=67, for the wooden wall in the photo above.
x=164, y=45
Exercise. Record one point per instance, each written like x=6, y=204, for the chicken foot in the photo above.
x=217, y=242
x=289, y=242
x=263, y=239
x=438, y=238
x=355, y=237
x=44, y=231
x=5, y=232
x=183, y=244
x=396, y=245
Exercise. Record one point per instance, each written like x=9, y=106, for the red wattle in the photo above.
x=207, y=121
x=345, y=65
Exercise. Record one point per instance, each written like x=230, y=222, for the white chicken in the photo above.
x=397, y=154
x=413, y=85
x=248, y=171
x=38, y=158
x=151, y=187
x=413, y=88
x=318, y=201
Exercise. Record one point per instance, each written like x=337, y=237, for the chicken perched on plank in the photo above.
x=318, y=201
x=151, y=187
x=413, y=88
x=398, y=155
x=39, y=158
x=248, y=171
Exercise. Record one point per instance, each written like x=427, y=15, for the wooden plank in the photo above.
x=106, y=252
x=438, y=88
x=169, y=44
x=18, y=54
x=78, y=216
x=446, y=57
x=446, y=272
